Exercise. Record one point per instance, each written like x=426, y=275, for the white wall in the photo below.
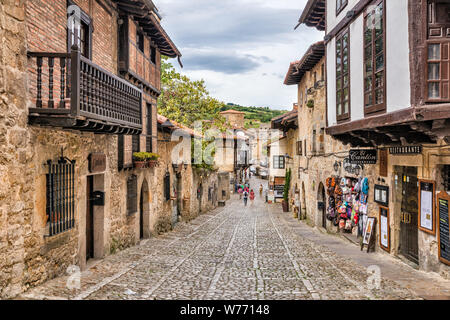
x=332, y=20
x=398, y=90
x=397, y=56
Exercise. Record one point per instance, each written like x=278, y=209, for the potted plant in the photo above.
x=287, y=185
x=310, y=103
x=140, y=159
x=153, y=159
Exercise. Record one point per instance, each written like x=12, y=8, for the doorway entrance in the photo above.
x=89, y=218
x=409, y=242
x=303, y=204
x=144, y=211
x=321, y=198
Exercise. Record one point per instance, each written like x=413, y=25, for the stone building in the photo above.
x=234, y=118
x=282, y=153
x=74, y=109
x=388, y=92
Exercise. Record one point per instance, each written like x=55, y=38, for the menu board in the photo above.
x=442, y=206
x=427, y=215
x=384, y=229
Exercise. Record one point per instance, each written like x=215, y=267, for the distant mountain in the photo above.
x=255, y=114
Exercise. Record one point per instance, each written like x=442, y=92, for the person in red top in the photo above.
x=252, y=196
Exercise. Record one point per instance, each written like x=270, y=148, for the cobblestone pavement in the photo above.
x=234, y=252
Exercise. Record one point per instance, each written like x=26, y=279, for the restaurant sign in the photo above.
x=406, y=150
x=363, y=156
x=97, y=162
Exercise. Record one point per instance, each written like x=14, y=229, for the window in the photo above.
x=437, y=51
x=136, y=143
x=149, y=138
x=301, y=98
x=343, y=76
x=278, y=162
x=315, y=77
x=153, y=54
x=314, y=142
x=374, y=59
x=299, y=148
x=167, y=186
x=60, y=196
x=446, y=177
x=140, y=41
x=79, y=34
x=340, y=5
x=322, y=72
x=132, y=195
x=322, y=141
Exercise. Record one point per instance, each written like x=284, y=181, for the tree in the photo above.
x=186, y=101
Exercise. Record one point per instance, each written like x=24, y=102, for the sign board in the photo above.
x=383, y=162
x=97, y=162
x=369, y=234
x=385, y=232
x=381, y=195
x=363, y=156
x=427, y=214
x=442, y=208
x=406, y=150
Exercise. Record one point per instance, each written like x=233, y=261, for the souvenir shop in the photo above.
x=347, y=203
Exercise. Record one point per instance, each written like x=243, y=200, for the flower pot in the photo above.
x=140, y=164
x=152, y=163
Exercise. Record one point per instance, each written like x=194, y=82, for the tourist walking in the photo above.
x=252, y=196
x=245, y=197
x=261, y=189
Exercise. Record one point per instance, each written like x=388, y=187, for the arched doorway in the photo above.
x=144, y=212
x=321, y=204
x=303, y=204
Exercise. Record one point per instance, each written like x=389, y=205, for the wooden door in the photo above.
x=89, y=218
x=141, y=215
x=409, y=242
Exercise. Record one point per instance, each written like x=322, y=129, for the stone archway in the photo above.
x=303, y=203
x=321, y=205
x=144, y=211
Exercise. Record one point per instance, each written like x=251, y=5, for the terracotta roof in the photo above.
x=231, y=111
x=285, y=120
x=142, y=11
x=313, y=15
x=297, y=69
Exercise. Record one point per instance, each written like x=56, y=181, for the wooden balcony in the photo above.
x=71, y=92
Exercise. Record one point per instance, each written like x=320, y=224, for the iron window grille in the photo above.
x=60, y=206
x=132, y=195
x=279, y=162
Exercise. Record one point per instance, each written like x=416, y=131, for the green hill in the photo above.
x=255, y=114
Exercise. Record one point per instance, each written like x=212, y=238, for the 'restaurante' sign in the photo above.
x=364, y=156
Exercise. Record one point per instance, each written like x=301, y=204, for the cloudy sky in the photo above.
x=241, y=48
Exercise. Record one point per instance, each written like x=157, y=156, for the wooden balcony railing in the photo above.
x=71, y=91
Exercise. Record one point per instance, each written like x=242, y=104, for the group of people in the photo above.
x=246, y=192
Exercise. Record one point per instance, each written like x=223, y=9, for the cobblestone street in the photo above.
x=235, y=252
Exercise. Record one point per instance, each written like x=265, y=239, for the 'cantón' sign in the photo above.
x=364, y=156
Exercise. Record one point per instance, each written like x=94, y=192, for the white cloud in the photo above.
x=241, y=48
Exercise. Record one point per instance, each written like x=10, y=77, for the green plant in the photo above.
x=153, y=156
x=144, y=156
x=287, y=185
x=310, y=103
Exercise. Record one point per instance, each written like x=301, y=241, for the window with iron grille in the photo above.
x=314, y=142
x=60, y=194
x=167, y=186
x=132, y=195
x=299, y=148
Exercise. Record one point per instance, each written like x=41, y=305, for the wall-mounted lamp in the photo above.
x=336, y=166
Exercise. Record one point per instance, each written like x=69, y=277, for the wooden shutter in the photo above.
x=167, y=186
x=132, y=194
x=120, y=152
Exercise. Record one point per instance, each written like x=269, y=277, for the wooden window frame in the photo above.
x=140, y=41
x=149, y=136
x=381, y=107
x=85, y=22
x=279, y=162
x=132, y=201
x=444, y=63
x=341, y=7
x=344, y=116
x=153, y=54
